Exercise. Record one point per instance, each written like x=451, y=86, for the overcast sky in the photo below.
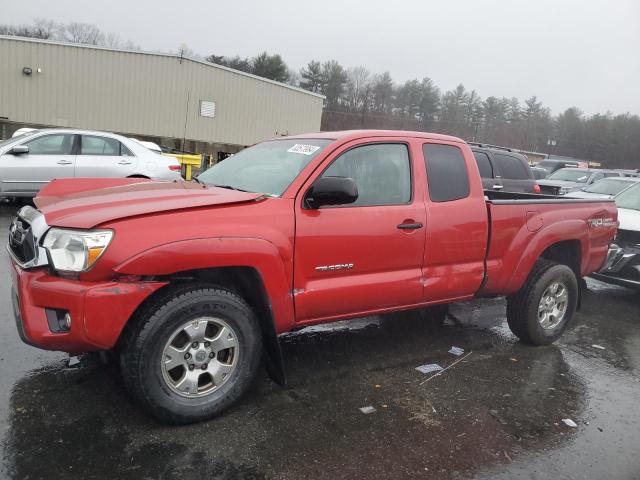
x=583, y=53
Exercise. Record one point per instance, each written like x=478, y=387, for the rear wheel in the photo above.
x=541, y=311
x=191, y=354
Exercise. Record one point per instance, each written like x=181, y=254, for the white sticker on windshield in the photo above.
x=303, y=149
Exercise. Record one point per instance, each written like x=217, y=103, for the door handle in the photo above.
x=410, y=226
x=498, y=187
x=124, y=162
x=64, y=162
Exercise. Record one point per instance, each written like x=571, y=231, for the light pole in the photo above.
x=551, y=142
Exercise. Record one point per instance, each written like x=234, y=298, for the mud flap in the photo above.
x=582, y=286
x=273, y=358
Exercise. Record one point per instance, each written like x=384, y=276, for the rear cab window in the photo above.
x=447, y=174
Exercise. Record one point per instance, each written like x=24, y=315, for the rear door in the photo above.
x=104, y=157
x=457, y=225
x=490, y=178
x=516, y=176
x=50, y=156
x=364, y=256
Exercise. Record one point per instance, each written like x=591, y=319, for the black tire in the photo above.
x=143, y=343
x=522, y=308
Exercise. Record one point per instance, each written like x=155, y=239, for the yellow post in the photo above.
x=189, y=161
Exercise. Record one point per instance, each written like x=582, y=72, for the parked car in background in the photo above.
x=502, y=169
x=568, y=180
x=30, y=161
x=624, y=262
x=551, y=165
x=539, y=173
x=605, y=188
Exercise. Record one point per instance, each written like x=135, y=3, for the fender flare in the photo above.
x=568, y=230
x=207, y=253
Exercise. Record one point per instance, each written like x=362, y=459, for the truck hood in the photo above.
x=629, y=219
x=89, y=202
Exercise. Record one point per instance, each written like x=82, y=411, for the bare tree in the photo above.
x=85, y=33
x=358, y=88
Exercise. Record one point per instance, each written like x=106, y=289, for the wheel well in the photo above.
x=567, y=253
x=246, y=282
x=138, y=176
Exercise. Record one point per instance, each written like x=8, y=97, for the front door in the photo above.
x=364, y=256
x=104, y=157
x=49, y=157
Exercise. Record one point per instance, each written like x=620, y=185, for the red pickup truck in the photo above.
x=190, y=283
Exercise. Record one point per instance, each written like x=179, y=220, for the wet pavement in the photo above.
x=496, y=414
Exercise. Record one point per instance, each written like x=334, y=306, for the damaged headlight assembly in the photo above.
x=75, y=250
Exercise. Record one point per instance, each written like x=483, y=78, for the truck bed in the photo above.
x=524, y=225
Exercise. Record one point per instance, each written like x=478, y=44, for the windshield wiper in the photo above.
x=231, y=187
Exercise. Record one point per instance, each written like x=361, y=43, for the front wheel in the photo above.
x=192, y=353
x=541, y=311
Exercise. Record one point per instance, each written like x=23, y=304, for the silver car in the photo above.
x=31, y=160
x=568, y=180
x=605, y=188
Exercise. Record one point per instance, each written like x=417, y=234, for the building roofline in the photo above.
x=159, y=54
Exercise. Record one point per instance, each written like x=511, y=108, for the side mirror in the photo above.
x=331, y=191
x=19, y=150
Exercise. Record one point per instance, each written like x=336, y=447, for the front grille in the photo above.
x=21, y=241
x=549, y=190
x=24, y=236
x=628, y=237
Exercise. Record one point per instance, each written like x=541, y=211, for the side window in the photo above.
x=99, y=146
x=124, y=151
x=60, y=144
x=511, y=167
x=446, y=172
x=612, y=174
x=484, y=164
x=382, y=173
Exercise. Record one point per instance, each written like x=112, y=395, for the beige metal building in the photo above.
x=157, y=96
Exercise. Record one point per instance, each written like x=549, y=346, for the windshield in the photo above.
x=630, y=198
x=267, y=167
x=578, y=176
x=608, y=186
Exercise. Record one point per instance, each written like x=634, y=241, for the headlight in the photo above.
x=76, y=250
x=565, y=190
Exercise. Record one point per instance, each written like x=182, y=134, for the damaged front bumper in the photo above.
x=622, y=266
